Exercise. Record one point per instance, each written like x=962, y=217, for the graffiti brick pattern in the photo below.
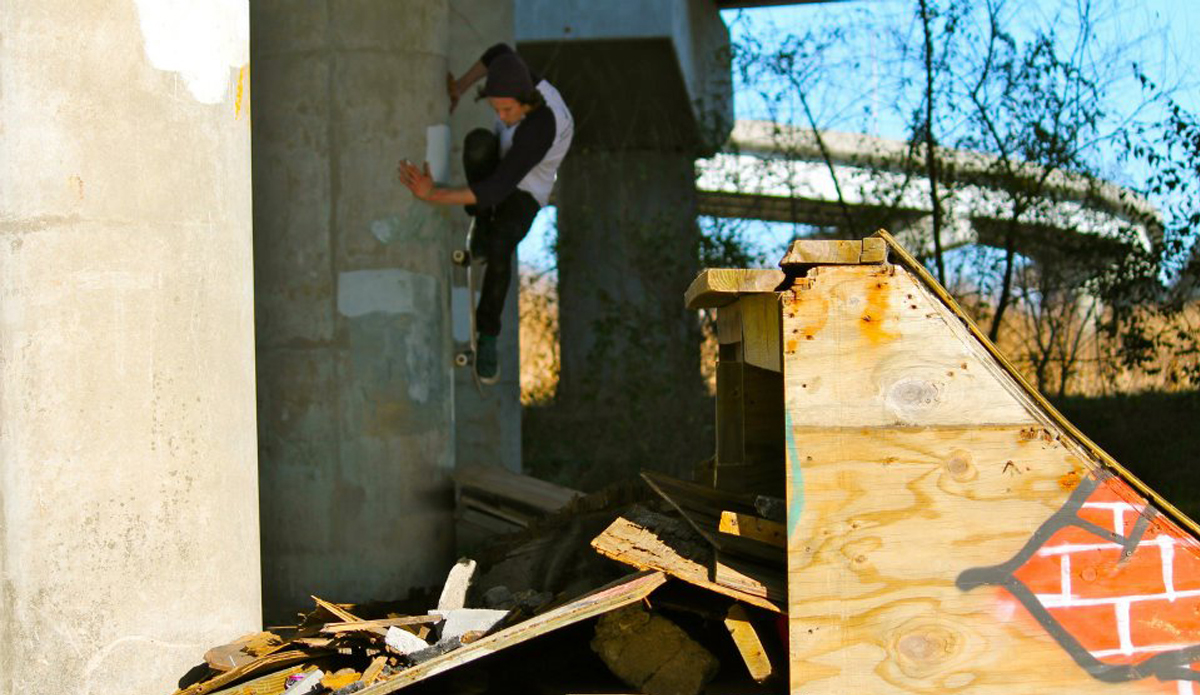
x=1117, y=585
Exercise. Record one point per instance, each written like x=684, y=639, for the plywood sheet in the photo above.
x=868, y=347
x=946, y=530
x=620, y=593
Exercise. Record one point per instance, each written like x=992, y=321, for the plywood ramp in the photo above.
x=947, y=530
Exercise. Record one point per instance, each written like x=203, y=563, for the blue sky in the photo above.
x=1160, y=34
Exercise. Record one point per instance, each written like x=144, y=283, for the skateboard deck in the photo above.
x=464, y=259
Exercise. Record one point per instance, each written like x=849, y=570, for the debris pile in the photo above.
x=702, y=611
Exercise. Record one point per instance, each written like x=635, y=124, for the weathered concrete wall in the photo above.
x=128, y=486
x=487, y=425
x=352, y=296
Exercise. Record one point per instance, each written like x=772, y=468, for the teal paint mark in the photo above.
x=796, y=503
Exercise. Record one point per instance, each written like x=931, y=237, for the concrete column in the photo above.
x=128, y=486
x=352, y=298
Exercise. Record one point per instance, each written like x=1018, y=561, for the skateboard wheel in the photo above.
x=462, y=359
x=460, y=256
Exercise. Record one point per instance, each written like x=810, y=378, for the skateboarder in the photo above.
x=510, y=171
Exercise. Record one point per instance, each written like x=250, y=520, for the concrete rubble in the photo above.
x=662, y=630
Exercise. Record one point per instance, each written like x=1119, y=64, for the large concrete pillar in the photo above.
x=128, y=484
x=352, y=282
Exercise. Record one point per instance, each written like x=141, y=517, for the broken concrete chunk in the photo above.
x=651, y=653
x=309, y=684
x=403, y=642
x=464, y=620
x=454, y=591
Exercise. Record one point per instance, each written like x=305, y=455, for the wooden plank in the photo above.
x=270, y=684
x=336, y=610
x=270, y=662
x=731, y=446
x=637, y=543
x=750, y=478
x=753, y=527
x=762, y=427
x=620, y=593
x=729, y=324
x=243, y=650
x=750, y=578
x=372, y=672
x=748, y=643
x=701, y=508
x=717, y=287
x=830, y=252
x=373, y=625
x=761, y=331
x=499, y=487
x=874, y=250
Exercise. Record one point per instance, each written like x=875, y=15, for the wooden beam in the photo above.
x=753, y=527
x=373, y=625
x=748, y=644
x=835, y=252
x=717, y=287
x=620, y=593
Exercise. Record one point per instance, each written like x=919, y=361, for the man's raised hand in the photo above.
x=419, y=181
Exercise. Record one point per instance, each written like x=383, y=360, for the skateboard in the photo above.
x=464, y=259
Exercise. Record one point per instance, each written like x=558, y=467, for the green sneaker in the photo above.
x=487, y=361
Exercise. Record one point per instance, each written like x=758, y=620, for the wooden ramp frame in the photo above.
x=947, y=529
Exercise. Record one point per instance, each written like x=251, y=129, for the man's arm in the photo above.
x=421, y=184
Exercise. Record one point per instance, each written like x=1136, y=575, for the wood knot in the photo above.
x=925, y=649
x=960, y=466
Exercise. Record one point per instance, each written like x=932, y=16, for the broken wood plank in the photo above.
x=340, y=679
x=269, y=662
x=748, y=643
x=513, y=492
x=336, y=610
x=701, y=507
x=637, y=542
x=243, y=650
x=717, y=287
x=761, y=333
x=833, y=252
x=620, y=593
x=270, y=684
x=750, y=578
x=458, y=581
x=375, y=670
x=372, y=625
x=753, y=527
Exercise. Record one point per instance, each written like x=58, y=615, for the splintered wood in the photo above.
x=639, y=542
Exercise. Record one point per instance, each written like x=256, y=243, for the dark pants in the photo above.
x=498, y=229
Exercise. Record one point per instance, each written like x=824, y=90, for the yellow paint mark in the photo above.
x=878, y=300
x=243, y=73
